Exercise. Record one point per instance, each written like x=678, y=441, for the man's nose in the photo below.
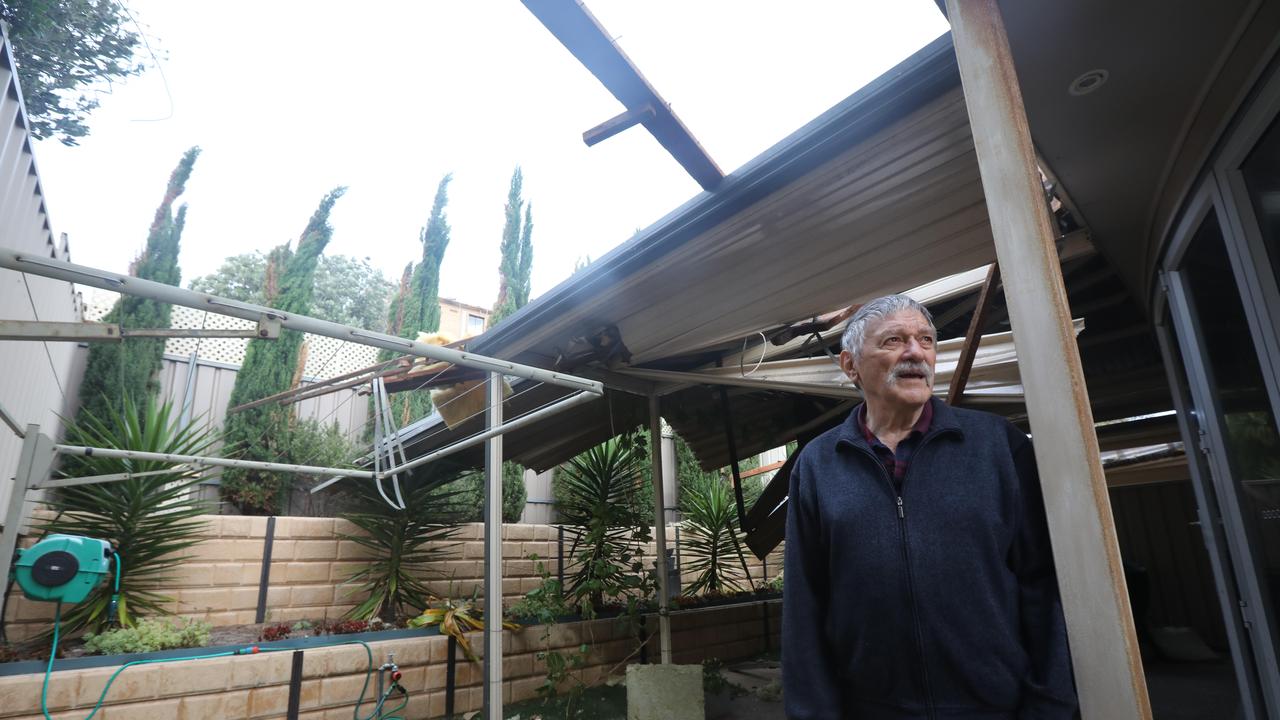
x=913, y=350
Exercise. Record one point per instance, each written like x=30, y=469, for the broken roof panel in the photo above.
x=879, y=193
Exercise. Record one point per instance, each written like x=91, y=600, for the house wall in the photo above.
x=453, y=318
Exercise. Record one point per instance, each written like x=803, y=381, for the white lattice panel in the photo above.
x=326, y=357
x=223, y=350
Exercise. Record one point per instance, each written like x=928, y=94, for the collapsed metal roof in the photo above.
x=879, y=194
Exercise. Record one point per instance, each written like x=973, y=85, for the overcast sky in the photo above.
x=289, y=99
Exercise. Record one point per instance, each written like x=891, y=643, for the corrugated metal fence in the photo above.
x=38, y=381
x=211, y=395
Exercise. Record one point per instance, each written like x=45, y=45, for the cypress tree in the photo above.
x=417, y=307
x=426, y=281
x=514, y=269
x=525, y=268
x=129, y=367
x=262, y=433
x=395, y=308
x=517, y=255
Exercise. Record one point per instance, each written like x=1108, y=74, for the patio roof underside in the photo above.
x=878, y=195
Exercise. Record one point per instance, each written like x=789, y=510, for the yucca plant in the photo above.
x=405, y=544
x=596, y=500
x=149, y=519
x=711, y=539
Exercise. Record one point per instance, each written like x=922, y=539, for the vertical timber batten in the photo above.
x=659, y=528
x=493, y=555
x=1108, y=667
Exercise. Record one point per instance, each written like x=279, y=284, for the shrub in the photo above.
x=271, y=633
x=775, y=583
x=148, y=635
x=347, y=627
x=469, y=491
x=149, y=518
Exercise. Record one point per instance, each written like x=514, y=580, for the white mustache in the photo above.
x=910, y=366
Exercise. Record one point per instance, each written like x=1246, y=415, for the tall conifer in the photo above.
x=260, y=433
x=417, y=307
x=129, y=367
x=516, y=262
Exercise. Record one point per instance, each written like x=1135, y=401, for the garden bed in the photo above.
x=222, y=639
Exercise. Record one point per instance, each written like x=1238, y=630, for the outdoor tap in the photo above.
x=389, y=665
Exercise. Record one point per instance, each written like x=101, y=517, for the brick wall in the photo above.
x=218, y=581
x=257, y=686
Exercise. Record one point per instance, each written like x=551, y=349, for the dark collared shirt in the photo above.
x=895, y=461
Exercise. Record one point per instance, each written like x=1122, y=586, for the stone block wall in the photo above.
x=257, y=686
x=218, y=580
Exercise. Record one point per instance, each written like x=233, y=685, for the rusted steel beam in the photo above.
x=617, y=124
x=973, y=336
x=583, y=35
x=1104, y=646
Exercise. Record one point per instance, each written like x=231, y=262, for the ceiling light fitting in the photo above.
x=1088, y=82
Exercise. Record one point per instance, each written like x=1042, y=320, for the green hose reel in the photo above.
x=62, y=568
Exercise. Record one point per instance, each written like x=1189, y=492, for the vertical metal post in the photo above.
x=670, y=478
x=560, y=555
x=450, y=677
x=34, y=461
x=493, y=556
x=1104, y=647
x=188, y=391
x=659, y=528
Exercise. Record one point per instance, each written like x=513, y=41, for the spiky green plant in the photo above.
x=597, y=502
x=711, y=537
x=150, y=519
x=405, y=546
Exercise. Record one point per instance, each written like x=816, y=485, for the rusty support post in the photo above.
x=973, y=337
x=1104, y=647
x=659, y=529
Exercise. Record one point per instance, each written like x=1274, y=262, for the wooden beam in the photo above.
x=1104, y=647
x=332, y=384
x=964, y=364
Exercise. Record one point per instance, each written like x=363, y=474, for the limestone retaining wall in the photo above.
x=219, y=579
x=257, y=686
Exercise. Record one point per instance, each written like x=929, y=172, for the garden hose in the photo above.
x=252, y=649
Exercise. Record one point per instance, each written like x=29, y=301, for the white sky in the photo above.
x=289, y=99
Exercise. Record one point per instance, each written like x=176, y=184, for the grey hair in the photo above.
x=879, y=309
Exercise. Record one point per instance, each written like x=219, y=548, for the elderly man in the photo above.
x=919, y=578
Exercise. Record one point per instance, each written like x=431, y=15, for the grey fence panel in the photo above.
x=39, y=382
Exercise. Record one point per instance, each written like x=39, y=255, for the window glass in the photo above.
x=475, y=324
x=1253, y=443
x=1262, y=178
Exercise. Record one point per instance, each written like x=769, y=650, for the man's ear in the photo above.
x=848, y=365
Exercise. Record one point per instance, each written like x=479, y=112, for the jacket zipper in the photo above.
x=906, y=556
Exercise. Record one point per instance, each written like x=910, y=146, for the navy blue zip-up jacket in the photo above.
x=941, y=603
